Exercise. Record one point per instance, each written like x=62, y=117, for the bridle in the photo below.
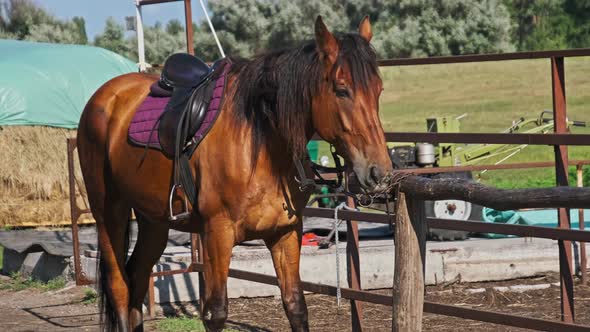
x=390, y=195
x=306, y=184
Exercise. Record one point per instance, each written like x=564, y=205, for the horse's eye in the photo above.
x=342, y=93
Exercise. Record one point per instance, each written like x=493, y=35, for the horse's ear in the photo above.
x=365, y=29
x=325, y=41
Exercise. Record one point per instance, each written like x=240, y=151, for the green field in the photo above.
x=492, y=94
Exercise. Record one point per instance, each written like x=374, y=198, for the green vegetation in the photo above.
x=17, y=283
x=182, y=324
x=401, y=28
x=90, y=296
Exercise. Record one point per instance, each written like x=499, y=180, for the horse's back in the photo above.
x=115, y=100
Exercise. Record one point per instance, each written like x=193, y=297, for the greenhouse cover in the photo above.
x=49, y=84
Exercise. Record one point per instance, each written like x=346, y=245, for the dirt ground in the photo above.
x=63, y=310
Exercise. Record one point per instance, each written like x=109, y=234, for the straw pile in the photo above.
x=34, y=176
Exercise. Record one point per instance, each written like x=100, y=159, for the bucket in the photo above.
x=312, y=148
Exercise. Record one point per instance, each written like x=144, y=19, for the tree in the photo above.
x=174, y=27
x=22, y=19
x=579, y=11
x=159, y=44
x=80, y=26
x=244, y=26
x=252, y=26
x=294, y=20
x=522, y=14
x=112, y=38
x=52, y=33
x=421, y=28
x=20, y=15
x=551, y=26
x=401, y=27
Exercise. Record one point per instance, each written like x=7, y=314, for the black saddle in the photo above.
x=183, y=70
x=189, y=100
x=192, y=83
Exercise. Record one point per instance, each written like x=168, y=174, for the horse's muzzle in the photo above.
x=374, y=179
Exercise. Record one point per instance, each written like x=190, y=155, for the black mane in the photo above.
x=274, y=90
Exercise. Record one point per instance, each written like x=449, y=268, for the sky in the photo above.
x=95, y=12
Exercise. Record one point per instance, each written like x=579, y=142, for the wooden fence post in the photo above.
x=410, y=249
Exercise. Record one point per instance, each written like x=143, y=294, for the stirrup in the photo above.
x=182, y=215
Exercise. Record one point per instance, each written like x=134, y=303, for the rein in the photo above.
x=306, y=183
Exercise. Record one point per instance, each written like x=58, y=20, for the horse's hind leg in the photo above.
x=285, y=252
x=151, y=242
x=218, y=243
x=112, y=221
x=113, y=244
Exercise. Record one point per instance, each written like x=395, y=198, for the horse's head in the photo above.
x=345, y=112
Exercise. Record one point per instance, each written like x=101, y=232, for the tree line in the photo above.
x=401, y=28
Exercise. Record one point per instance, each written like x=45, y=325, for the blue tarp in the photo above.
x=49, y=84
x=544, y=218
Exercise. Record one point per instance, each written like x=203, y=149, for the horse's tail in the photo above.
x=108, y=318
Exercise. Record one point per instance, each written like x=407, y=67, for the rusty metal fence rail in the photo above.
x=560, y=139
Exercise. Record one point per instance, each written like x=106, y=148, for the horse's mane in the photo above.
x=274, y=90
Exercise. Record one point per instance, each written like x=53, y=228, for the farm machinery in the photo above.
x=424, y=155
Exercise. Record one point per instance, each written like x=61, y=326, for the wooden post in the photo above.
x=583, y=260
x=410, y=249
x=151, y=299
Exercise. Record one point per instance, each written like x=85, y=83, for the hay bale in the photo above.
x=34, y=175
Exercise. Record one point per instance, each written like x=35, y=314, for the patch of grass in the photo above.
x=180, y=324
x=17, y=283
x=90, y=296
x=183, y=324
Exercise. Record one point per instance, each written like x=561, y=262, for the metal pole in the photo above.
x=561, y=172
x=188, y=19
x=353, y=268
x=140, y=38
x=583, y=260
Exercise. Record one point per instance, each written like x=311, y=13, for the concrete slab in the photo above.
x=40, y=265
x=469, y=261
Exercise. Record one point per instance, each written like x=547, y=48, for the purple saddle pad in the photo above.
x=145, y=119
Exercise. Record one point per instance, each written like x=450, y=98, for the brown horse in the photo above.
x=244, y=168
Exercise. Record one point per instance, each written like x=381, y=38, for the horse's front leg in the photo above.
x=285, y=250
x=218, y=241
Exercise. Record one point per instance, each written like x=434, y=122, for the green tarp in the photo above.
x=538, y=217
x=49, y=84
